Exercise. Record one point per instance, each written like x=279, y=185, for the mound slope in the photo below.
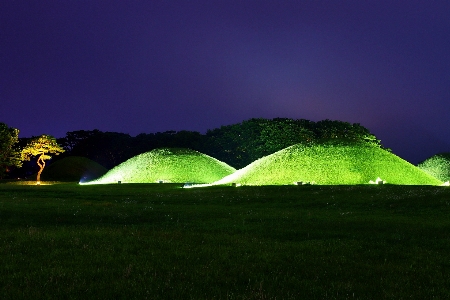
x=437, y=166
x=73, y=168
x=330, y=163
x=168, y=165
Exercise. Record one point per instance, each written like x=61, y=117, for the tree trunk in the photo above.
x=41, y=164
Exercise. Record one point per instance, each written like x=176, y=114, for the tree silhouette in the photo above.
x=41, y=146
x=9, y=155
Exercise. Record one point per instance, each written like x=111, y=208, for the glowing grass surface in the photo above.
x=167, y=165
x=330, y=163
x=437, y=166
x=73, y=168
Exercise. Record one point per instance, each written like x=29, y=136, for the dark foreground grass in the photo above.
x=162, y=242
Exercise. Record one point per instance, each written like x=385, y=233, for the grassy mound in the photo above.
x=168, y=165
x=72, y=168
x=331, y=163
x=437, y=166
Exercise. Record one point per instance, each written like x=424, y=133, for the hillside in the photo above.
x=167, y=165
x=330, y=162
x=437, y=166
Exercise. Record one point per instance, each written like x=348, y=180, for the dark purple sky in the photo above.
x=148, y=66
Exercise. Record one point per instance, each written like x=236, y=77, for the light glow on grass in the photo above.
x=34, y=183
x=304, y=183
x=330, y=163
x=167, y=165
x=377, y=181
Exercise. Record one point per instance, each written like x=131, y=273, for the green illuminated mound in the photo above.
x=72, y=168
x=168, y=165
x=331, y=163
x=437, y=166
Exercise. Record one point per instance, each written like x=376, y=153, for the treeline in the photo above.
x=238, y=144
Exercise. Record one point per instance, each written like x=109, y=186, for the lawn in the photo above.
x=330, y=163
x=167, y=165
x=159, y=241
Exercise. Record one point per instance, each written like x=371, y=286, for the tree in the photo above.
x=77, y=139
x=242, y=143
x=279, y=133
x=9, y=154
x=41, y=146
x=106, y=148
x=328, y=129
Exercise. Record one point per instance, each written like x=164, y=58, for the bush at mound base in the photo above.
x=168, y=165
x=72, y=168
x=330, y=162
x=437, y=166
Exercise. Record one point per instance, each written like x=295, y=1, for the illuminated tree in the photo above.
x=9, y=155
x=41, y=146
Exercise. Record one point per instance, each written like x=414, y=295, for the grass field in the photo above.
x=158, y=241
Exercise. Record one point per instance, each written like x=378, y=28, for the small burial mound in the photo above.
x=72, y=168
x=168, y=165
x=437, y=166
x=331, y=163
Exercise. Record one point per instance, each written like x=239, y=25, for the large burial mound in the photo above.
x=168, y=165
x=73, y=168
x=437, y=166
x=330, y=162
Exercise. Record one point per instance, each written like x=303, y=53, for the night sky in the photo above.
x=148, y=66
